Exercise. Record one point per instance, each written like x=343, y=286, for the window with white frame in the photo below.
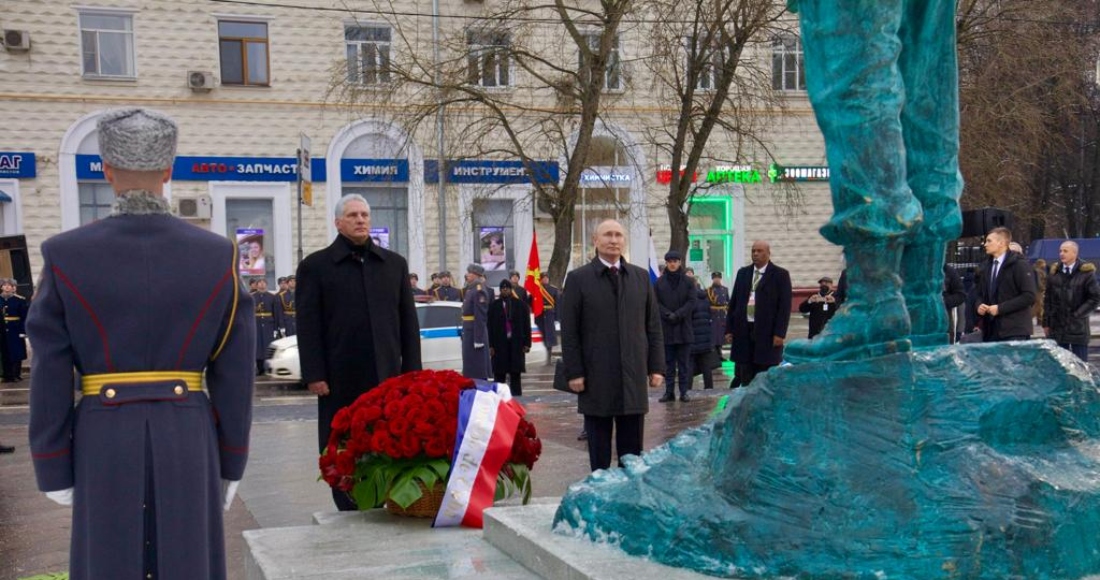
x=709, y=65
x=613, y=74
x=368, y=49
x=787, y=64
x=96, y=201
x=488, y=60
x=243, y=51
x=107, y=44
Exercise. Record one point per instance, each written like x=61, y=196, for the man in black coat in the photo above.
x=611, y=346
x=820, y=305
x=676, y=297
x=509, y=337
x=1071, y=295
x=954, y=295
x=357, y=323
x=759, y=313
x=1006, y=291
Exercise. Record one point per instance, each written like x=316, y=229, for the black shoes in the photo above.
x=667, y=398
x=684, y=398
x=583, y=436
x=6, y=449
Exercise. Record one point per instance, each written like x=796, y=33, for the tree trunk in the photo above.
x=563, y=244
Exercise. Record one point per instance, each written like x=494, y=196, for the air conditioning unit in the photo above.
x=197, y=208
x=17, y=40
x=200, y=81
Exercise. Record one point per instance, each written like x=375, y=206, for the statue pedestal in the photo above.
x=974, y=461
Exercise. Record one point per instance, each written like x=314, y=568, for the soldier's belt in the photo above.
x=11, y=319
x=92, y=385
x=719, y=307
x=469, y=318
x=263, y=314
x=289, y=312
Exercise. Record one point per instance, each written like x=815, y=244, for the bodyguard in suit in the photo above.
x=357, y=323
x=509, y=337
x=1006, y=291
x=144, y=456
x=475, y=320
x=546, y=321
x=15, y=309
x=760, y=311
x=612, y=346
x=268, y=317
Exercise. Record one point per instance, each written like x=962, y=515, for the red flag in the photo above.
x=533, y=283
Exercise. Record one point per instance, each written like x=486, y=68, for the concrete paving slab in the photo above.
x=375, y=544
x=524, y=534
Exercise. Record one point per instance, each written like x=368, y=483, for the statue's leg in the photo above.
x=851, y=53
x=930, y=124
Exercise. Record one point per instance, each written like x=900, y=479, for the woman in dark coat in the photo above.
x=509, y=336
x=704, y=357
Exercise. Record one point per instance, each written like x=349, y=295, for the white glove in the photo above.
x=478, y=346
x=62, y=496
x=229, y=491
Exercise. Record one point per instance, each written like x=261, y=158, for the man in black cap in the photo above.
x=719, y=297
x=676, y=299
x=820, y=305
x=517, y=287
x=434, y=285
x=419, y=294
x=475, y=318
x=509, y=336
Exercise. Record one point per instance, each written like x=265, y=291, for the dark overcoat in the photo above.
x=357, y=323
x=288, y=312
x=268, y=316
x=613, y=341
x=1069, y=301
x=772, y=314
x=676, y=301
x=151, y=441
x=546, y=321
x=1015, y=295
x=719, y=298
x=475, y=331
x=15, y=309
x=701, y=323
x=509, y=352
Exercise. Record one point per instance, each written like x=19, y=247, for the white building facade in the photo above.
x=246, y=81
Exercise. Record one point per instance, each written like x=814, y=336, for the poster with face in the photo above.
x=492, y=248
x=250, y=243
x=381, y=237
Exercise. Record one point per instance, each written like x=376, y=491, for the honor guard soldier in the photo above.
x=475, y=320
x=288, y=315
x=547, y=321
x=15, y=314
x=151, y=455
x=719, y=297
x=267, y=321
x=446, y=291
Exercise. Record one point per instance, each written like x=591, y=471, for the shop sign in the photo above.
x=395, y=170
x=733, y=174
x=779, y=173
x=271, y=169
x=605, y=177
x=490, y=171
x=17, y=165
x=664, y=174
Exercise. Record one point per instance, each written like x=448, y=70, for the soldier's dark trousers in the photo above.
x=514, y=384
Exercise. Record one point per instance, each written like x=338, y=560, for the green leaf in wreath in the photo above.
x=405, y=490
x=441, y=467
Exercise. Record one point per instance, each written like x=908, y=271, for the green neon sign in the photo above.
x=734, y=174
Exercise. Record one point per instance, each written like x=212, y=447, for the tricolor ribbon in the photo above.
x=487, y=423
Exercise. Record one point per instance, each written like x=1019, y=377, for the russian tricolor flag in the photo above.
x=487, y=423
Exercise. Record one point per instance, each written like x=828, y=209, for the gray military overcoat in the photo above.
x=141, y=293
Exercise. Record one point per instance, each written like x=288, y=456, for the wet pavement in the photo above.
x=280, y=486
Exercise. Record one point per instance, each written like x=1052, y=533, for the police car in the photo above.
x=440, y=343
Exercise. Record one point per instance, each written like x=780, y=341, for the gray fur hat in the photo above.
x=476, y=269
x=137, y=139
